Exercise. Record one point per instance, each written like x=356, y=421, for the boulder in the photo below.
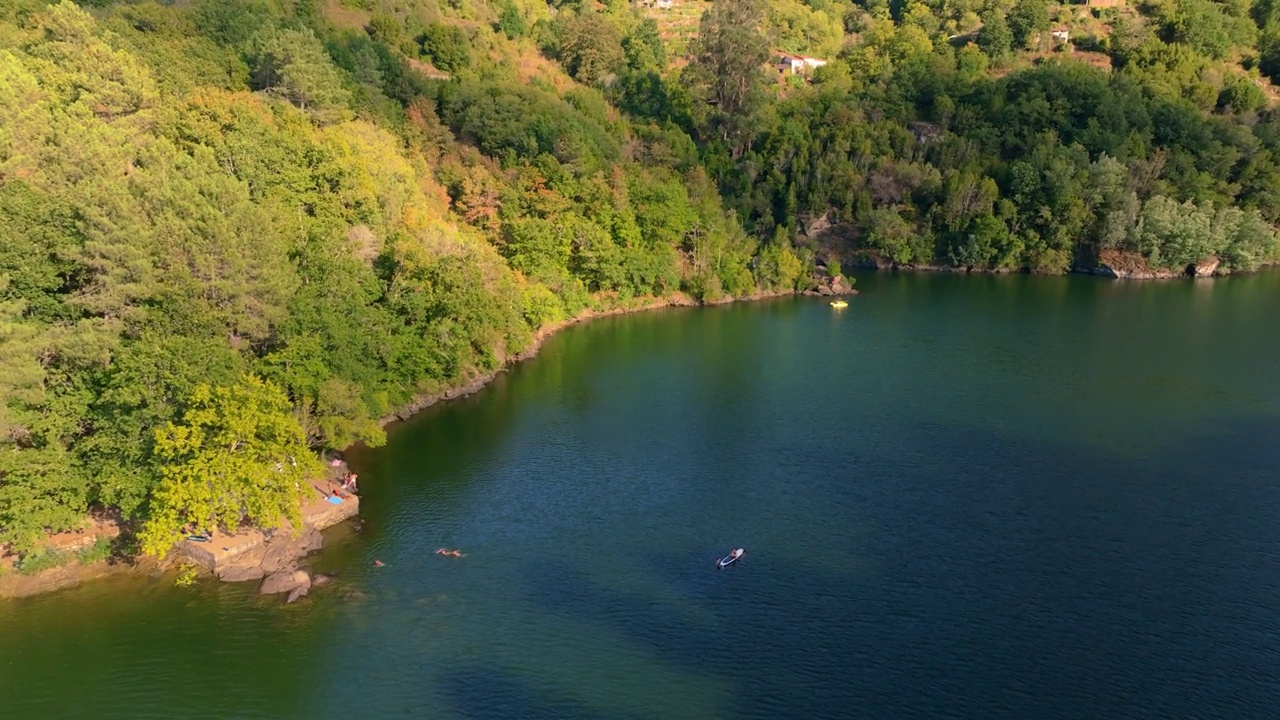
x=320, y=580
x=280, y=555
x=818, y=225
x=279, y=582
x=1207, y=266
x=312, y=541
x=824, y=290
x=296, y=593
x=241, y=573
x=840, y=286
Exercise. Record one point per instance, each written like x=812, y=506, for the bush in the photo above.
x=95, y=553
x=447, y=46
x=541, y=306
x=40, y=560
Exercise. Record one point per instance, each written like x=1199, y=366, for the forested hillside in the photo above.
x=995, y=135
x=234, y=233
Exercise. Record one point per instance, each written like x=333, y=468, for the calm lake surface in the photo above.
x=962, y=497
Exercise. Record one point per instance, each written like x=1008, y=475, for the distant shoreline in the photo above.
x=478, y=382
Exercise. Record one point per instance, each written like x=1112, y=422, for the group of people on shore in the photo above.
x=348, y=481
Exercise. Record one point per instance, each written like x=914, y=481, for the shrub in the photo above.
x=95, y=553
x=40, y=560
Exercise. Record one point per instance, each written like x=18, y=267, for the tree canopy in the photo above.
x=235, y=234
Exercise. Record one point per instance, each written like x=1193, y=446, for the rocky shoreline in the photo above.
x=1119, y=266
x=275, y=557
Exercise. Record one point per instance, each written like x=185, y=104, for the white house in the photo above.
x=1060, y=35
x=664, y=4
x=798, y=63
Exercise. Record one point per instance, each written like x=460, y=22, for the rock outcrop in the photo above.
x=1131, y=266
x=241, y=574
x=285, y=581
x=1206, y=267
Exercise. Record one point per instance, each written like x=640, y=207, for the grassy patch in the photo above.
x=34, y=562
x=95, y=553
x=47, y=558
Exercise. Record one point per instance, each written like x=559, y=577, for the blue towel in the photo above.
x=334, y=499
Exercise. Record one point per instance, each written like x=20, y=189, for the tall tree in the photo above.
x=239, y=454
x=590, y=47
x=995, y=38
x=727, y=69
x=294, y=65
x=1027, y=20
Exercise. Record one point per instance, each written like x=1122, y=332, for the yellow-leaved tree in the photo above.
x=238, y=456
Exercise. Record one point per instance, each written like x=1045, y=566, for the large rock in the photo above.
x=285, y=582
x=241, y=573
x=1207, y=266
x=818, y=225
x=312, y=541
x=296, y=593
x=840, y=286
x=320, y=580
x=282, y=554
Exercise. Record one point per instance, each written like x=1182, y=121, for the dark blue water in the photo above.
x=960, y=498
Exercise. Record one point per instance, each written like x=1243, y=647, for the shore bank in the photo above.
x=475, y=383
x=1118, y=266
x=264, y=558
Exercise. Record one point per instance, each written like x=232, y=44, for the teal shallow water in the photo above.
x=962, y=497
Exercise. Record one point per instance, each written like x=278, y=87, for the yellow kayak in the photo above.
x=839, y=304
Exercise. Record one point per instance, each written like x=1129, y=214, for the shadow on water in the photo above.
x=485, y=692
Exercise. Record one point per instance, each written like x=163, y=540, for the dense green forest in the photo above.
x=235, y=233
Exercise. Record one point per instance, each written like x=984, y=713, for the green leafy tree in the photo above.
x=237, y=455
x=510, y=21
x=644, y=48
x=995, y=38
x=83, y=67
x=447, y=46
x=727, y=70
x=1027, y=20
x=293, y=65
x=590, y=47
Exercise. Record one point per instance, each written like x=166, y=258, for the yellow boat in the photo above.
x=837, y=304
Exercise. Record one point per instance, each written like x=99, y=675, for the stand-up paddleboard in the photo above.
x=728, y=560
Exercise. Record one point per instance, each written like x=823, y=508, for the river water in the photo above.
x=962, y=497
